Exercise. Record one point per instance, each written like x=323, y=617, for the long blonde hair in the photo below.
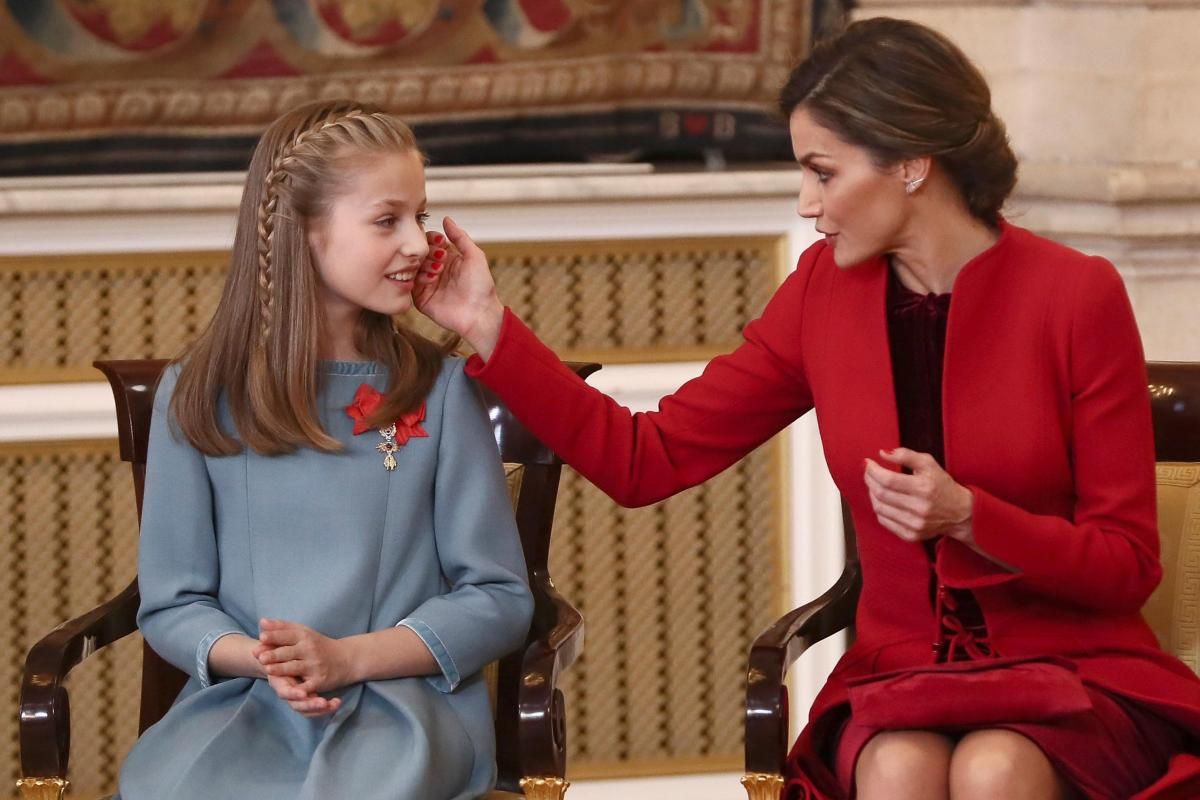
x=261, y=348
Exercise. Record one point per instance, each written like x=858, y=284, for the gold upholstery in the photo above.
x=1173, y=611
x=513, y=473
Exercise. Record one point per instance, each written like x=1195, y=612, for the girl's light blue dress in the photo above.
x=339, y=544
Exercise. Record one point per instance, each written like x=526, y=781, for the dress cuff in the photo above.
x=961, y=566
x=450, y=678
x=476, y=367
x=202, y=653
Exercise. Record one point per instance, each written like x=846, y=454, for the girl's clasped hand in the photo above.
x=300, y=663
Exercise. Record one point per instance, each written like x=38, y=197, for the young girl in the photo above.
x=328, y=547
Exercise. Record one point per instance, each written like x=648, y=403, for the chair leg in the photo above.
x=544, y=788
x=763, y=786
x=42, y=788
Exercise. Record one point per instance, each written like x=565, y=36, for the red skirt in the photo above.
x=1111, y=752
x=1107, y=747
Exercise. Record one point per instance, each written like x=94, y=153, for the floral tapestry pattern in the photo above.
x=142, y=81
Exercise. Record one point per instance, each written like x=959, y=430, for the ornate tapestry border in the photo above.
x=419, y=92
x=574, y=103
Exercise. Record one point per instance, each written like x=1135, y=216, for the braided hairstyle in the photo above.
x=261, y=348
x=902, y=90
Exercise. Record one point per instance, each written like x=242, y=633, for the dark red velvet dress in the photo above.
x=1090, y=747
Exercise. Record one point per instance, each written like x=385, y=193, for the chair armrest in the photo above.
x=45, y=713
x=774, y=651
x=542, y=713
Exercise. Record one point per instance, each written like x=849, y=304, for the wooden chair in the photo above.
x=1171, y=611
x=530, y=712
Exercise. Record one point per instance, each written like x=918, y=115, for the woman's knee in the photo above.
x=904, y=764
x=1002, y=764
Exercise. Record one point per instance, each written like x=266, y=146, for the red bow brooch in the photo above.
x=366, y=401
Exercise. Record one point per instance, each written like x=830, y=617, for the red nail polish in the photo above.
x=439, y=253
x=438, y=238
x=435, y=267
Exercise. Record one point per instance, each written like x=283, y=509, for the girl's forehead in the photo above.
x=390, y=173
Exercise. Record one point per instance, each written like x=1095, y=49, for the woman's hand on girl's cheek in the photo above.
x=439, y=253
x=318, y=662
x=460, y=295
x=429, y=274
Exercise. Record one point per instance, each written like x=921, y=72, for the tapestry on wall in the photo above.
x=94, y=86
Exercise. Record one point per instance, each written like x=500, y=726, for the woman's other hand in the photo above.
x=922, y=505
x=460, y=294
x=292, y=650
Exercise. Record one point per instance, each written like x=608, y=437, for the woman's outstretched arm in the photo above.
x=740, y=401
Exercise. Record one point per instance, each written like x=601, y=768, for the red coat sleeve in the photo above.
x=1106, y=557
x=712, y=421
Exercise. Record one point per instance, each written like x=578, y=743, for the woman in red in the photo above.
x=981, y=394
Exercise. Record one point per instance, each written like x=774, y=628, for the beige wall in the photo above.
x=1102, y=100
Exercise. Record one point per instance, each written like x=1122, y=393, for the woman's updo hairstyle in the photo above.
x=901, y=90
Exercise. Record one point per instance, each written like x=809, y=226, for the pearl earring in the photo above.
x=913, y=185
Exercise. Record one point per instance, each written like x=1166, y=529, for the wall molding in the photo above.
x=1152, y=205
x=61, y=411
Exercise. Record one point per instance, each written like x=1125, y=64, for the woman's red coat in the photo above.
x=1046, y=420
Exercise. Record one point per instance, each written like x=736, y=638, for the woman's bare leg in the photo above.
x=995, y=763
x=904, y=765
